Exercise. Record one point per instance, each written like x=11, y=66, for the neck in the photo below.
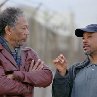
x=10, y=42
x=93, y=59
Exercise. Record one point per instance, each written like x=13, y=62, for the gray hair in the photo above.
x=8, y=17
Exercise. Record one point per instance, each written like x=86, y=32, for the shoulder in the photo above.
x=28, y=49
x=81, y=64
x=30, y=52
x=74, y=66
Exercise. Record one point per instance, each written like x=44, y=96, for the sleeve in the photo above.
x=61, y=85
x=12, y=87
x=38, y=78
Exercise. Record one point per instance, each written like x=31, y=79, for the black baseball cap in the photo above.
x=89, y=28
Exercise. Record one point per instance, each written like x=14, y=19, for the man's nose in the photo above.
x=85, y=40
x=27, y=32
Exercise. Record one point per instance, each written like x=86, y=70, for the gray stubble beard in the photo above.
x=87, y=53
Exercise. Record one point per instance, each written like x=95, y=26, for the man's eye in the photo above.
x=23, y=28
x=89, y=36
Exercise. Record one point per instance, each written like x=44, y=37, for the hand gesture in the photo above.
x=61, y=64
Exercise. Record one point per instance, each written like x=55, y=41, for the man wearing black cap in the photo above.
x=80, y=80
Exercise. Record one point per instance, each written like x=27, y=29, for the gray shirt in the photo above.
x=85, y=83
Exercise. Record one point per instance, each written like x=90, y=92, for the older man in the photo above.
x=20, y=69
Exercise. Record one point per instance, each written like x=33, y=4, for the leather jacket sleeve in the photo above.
x=12, y=87
x=38, y=78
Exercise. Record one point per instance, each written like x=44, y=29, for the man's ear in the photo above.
x=8, y=30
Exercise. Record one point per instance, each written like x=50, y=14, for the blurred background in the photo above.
x=52, y=24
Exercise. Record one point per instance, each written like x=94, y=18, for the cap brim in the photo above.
x=79, y=32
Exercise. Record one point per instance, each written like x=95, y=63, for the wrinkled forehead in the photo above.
x=22, y=21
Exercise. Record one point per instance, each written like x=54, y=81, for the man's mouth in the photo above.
x=86, y=47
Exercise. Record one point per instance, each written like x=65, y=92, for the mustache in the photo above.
x=86, y=45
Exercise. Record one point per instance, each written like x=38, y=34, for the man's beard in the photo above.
x=87, y=53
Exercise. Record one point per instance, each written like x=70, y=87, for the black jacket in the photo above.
x=62, y=85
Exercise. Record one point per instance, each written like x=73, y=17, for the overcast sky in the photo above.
x=85, y=11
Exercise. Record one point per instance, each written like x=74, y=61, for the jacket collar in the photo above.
x=7, y=55
x=83, y=64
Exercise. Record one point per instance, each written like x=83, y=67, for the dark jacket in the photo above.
x=62, y=85
x=26, y=80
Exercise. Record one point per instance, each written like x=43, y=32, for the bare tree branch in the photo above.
x=3, y=3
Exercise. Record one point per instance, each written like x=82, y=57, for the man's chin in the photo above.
x=87, y=53
x=21, y=44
